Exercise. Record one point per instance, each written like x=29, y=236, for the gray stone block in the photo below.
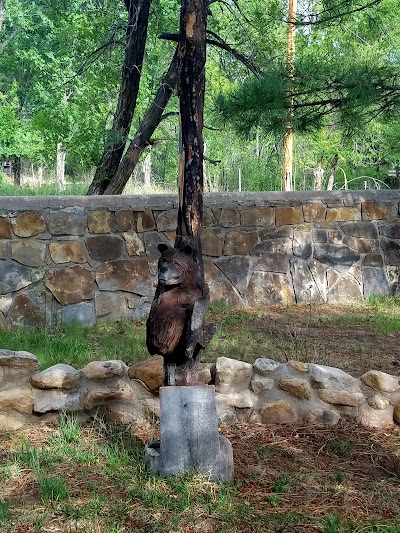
x=375, y=282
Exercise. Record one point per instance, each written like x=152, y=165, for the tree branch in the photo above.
x=220, y=43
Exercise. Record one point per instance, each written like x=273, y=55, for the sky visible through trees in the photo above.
x=61, y=64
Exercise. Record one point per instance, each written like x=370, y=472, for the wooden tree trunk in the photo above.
x=136, y=34
x=147, y=127
x=287, y=174
x=16, y=167
x=60, y=167
x=1, y=13
x=192, y=58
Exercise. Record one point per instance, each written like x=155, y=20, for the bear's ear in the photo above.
x=188, y=250
x=163, y=247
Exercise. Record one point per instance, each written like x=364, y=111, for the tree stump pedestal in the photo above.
x=189, y=438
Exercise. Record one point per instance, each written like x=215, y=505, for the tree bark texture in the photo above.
x=16, y=168
x=287, y=174
x=191, y=72
x=136, y=34
x=146, y=129
x=1, y=13
x=60, y=167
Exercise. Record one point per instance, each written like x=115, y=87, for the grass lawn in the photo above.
x=69, y=474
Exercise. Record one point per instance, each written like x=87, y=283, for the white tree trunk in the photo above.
x=147, y=171
x=60, y=170
x=318, y=177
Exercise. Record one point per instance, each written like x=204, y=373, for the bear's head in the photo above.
x=176, y=267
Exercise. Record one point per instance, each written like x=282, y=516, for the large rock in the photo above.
x=14, y=276
x=289, y=215
x=257, y=216
x=242, y=400
x=361, y=230
x=335, y=255
x=102, y=395
x=27, y=310
x=381, y=381
x=269, y=288
x=259, y=384
x=314, y=212
x=336, y=214
x=341, y=397
x=11, y=420
x=101, y=221
x=239, y=242
x=82, y=313
x=238, y=270
x=375, y=282
x=145, y=221
x=105, y=247
x=297, y=387
x=232, y=376
x=372, y=210
x=124, y=219
x=396, y=413
x=279, y=412
x=302, y=244
x=71, y=284
x=166, y=220
x=150, y=372
x=327, y=377
x=130, y=275
x=57, y=377
x=113, y=306
x=28, y=252
x=57, y=400
x=273, y=262
x=5, y=231
x=68, y=221
x=20, y=399
x=322, y=416
x=265, y=366
x=373, y=418
x=23, y=362
x=68, y=252
x=28, y=224
x=309, y=280
x=378, y=402
x=134, y=411
x=105, y=370
x=134, y=245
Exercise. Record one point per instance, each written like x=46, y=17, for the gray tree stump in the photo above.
x=189, y=438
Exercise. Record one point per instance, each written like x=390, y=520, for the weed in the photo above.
x=273, y=499
x=341, y=448
x=4, y=511
x=280, y=484
x=340, y=476
x=52, y=489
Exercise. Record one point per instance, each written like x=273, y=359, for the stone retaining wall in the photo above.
x=87, y=258
x=266, y=392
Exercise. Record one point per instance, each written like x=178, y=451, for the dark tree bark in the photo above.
x=182, y=357
x=16, y=168
x=136, y=34
x=191, y=65
x=146, y=129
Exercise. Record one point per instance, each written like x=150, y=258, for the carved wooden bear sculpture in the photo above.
x=175, y=323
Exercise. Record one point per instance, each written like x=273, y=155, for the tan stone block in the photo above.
x=12, y=420
x=239, y=242
x=257, y=216
x=67, y=252
x=57, y=377
x=381, y=381
x=298, y=365
x=134, y=244
x=240, y=400
x=28, y=224
x=151, y=372
x=378, y=402
x=314, y=212
x=341, y=397
x=70, y=284
x=124, y=220
x=377, y=210
x=25, y=312
x=232, y=375
x=288, y=215
x=5, y=231
x=100, y=221
x=167, y=220
x=99, y=396
x=279, y=412
x=20, y=399
x=145, y=221
x=337, y=214
x=373, y=418
x=296, y=387
x=105, y=369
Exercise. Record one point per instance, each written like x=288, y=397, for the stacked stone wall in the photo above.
x=266, y=392
x=84, y=259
